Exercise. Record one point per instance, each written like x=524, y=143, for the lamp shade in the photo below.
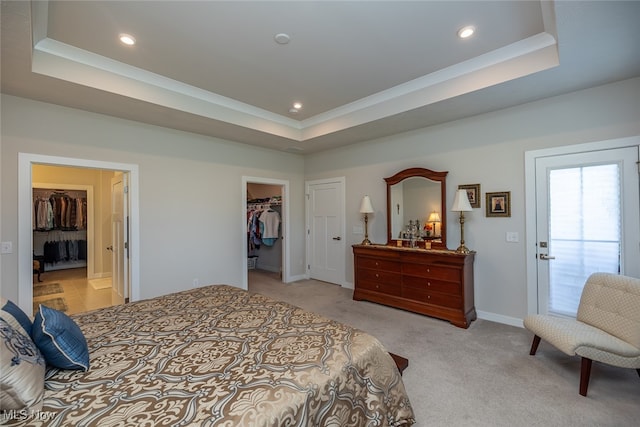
x=461, y=202
x=434, y=217
x=365, y=206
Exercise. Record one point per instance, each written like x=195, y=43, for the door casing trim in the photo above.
x=25, y=203
x=286, y=259
x=530, y=158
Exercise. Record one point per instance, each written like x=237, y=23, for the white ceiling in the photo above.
x=361, y=69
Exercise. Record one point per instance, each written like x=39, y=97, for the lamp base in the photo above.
x=462, y=249
x=366, y=242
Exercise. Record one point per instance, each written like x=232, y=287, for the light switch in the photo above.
x=512, y=237
x=6, y=247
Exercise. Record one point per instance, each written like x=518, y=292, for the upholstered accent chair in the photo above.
x=606, y=328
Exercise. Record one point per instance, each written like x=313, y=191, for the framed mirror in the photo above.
x=416, y=208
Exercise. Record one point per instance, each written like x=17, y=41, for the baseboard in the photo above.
x=499, y=318
x=348, y=285
x=298, y=277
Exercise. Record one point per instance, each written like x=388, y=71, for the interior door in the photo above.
x=588, y=220
x=325, y=233
x=119, y=237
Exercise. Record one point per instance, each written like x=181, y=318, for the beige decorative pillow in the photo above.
x=22, y=370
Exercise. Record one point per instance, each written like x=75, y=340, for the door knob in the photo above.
x=110, y=248
x=337, y=238
x=546, y=257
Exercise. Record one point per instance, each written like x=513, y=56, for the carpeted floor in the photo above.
x=476, y=377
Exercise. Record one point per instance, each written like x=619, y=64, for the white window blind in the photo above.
x=584, y=230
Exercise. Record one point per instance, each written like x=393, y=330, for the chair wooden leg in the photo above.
x=585, y=373
x=534, y=345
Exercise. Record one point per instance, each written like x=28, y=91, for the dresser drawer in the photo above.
x=379, y=276
x=432, y=271
x=378, y=264
x=382, y=287
x=431, y=285
x=435, y=298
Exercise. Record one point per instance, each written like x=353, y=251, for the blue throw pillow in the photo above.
x=15, y=316
x=60, y=340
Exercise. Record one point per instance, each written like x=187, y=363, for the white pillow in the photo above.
x=22, y=370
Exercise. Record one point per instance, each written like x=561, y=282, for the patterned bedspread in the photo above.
x=221, y=356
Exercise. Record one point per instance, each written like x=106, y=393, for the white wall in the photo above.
x=487, y=149
x=190, y=190
x=190, y=208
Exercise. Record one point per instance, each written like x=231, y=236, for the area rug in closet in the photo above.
x=56, y=303
x=98, y=284
x=47, y=289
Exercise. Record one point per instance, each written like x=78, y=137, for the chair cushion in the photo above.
x=611, y=302
x=15, y=316
x=22, y=370
x=574, y=337
x=60, y=340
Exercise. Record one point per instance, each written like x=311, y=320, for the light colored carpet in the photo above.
x=47, y=289
x=481, y=376
x=98, y=284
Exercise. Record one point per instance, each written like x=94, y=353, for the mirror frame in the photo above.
x=440, y=177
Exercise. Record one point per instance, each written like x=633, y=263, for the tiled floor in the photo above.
x=78, y=293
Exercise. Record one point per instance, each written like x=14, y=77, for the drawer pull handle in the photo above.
x=428, y=283
x=428, y=296
x=428, y=270
x=377, y=286
x=377, y=275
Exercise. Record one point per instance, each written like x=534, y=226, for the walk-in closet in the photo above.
x=71, y=234
x=59, y=228
x=264, y=229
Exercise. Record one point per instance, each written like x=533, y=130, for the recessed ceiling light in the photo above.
x=466, y=32
x=295, y=108
x=127, y=39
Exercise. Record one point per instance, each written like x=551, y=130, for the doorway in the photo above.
x=258, y=193
x=264, y=213
x=587, y=215
x=26, y=163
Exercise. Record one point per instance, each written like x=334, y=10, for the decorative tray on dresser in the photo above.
x=438, y=283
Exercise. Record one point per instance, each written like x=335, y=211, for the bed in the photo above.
x=222, y=356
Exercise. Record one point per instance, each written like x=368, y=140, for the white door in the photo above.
x=119, y=237
x=588, y=220
x=325, y=230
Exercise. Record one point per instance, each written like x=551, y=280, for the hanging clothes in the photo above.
x=263, y=223
x=270, y=225
x=253, y=230
x=53, y=209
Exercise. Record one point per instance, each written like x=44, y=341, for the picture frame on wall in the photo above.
x=498, y=204
x=473, y=193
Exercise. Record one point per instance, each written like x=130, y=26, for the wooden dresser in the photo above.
x=437, y=283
